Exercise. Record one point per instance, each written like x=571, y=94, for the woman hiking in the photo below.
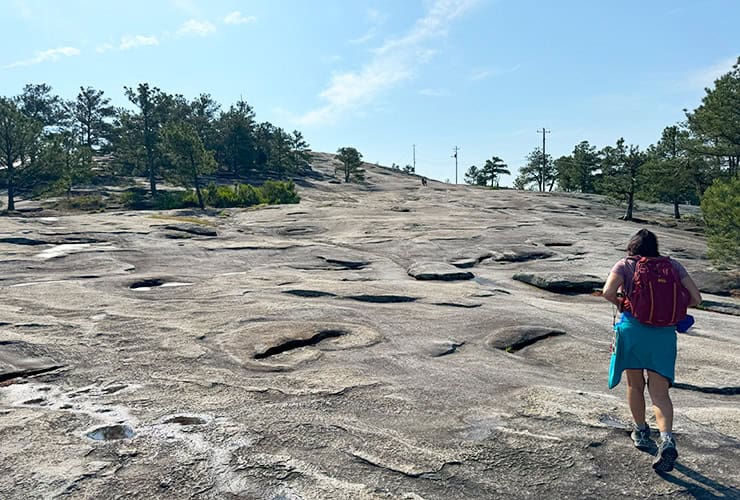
x=656, y=290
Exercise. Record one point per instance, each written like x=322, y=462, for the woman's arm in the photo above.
x=689, y=284
x=613, y=282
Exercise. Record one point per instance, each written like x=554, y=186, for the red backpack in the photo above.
x=658, y=298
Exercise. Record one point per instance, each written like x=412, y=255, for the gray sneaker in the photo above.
x=667, y=455
x=641, y=437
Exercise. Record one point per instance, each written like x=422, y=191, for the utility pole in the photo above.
x=414, y=146
x=455, y=149
x=544, y=158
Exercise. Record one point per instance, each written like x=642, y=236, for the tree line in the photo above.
x=689, y=157
x=695, y=161
x=48, y=144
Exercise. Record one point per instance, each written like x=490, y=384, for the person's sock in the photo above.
x=642, y=426
x=666, y=435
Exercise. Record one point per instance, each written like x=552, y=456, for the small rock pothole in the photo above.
x=382, y=299
x=185, y=420
x=149, y=283
x=309, y=293
x=112, y=389
x=514, y=338
x=111, y=433
x=558, y=243
x=298, y=343
x=284, y=345
x=146, y=284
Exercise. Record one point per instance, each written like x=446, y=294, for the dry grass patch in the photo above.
x=178, y=218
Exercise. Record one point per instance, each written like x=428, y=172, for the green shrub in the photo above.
x=86, y=202
x=190, y=199
x=249, y=195
x=696, y=218
x=721, y=207
x=223, y=197
x=171, y=200
x=133, y=198
x=239, y=195
x=280, y=192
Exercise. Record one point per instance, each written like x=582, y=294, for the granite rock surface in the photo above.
x=288, y=352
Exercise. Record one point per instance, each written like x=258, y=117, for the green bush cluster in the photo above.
x=171, y=200
x=238, y=195
x=86, y=202
x=139, y=199
x=133, y=198
x=246, y=195
x=721, y=208
x=279, y=192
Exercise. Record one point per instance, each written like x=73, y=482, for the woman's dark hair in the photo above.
x=643, y=243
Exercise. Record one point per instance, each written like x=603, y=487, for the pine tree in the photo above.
x=620, y=168
x=188, y=157
x=91, y=114
x=493, y=169
x=144, y=128
x=717, y=121
x=19, y=140
x=668, y=173
x=351, y=164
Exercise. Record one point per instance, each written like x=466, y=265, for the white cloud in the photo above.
x=705, y=77
x=104, y=48
x=483, y=73
x=480, y=74
x=196, y=28
x=364, y=38
x=394, y=62
x=129, y=42
x=46, y=55
x=236, y=17
x=433, y=25
x=375, y=18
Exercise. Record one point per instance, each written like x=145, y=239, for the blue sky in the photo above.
x=382, y=75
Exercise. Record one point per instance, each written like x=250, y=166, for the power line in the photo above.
x=543, y=132
x=455, y=149
x=544, y=156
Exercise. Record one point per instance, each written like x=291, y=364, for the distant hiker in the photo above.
x=424, y=181
x=652, y=292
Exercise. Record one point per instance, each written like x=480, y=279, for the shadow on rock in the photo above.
x=703, y=487
x=726, y=391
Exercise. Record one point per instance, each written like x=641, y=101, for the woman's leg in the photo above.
x=636, y=394
x=662, y=405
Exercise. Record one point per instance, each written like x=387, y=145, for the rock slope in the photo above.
x=370, y=342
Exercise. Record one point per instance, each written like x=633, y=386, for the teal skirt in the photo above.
x=638, y=346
